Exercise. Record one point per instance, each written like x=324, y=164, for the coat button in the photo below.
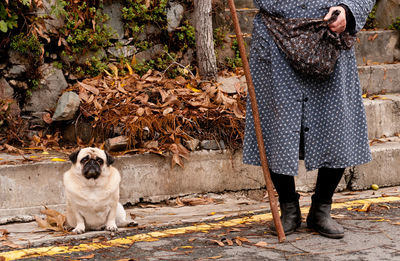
x=306, y=99
x=306, y=129
x=303, y=6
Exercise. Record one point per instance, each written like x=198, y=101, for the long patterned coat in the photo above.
x=328, y=113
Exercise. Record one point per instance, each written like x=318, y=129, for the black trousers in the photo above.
x=327, y=181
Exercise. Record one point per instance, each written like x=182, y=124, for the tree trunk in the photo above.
x=206, y=59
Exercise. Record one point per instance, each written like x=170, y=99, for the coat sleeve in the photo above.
x=360, y=10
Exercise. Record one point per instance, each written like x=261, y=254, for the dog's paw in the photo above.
x=112, y=228
x=132, y=224
x=78, y=230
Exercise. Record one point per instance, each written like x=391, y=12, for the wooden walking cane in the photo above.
x=257, y=124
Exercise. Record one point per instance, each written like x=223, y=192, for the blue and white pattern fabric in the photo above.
x=330, y=112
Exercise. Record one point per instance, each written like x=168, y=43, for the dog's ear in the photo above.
x=110, y=159
x=74, y=156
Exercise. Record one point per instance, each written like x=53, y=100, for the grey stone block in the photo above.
x=114, y=11
x=386, y=12
x=244, y=4
x=16, y=71
x=17, y=183
x=122, y=52
x=306, y=180
x=227, y=84
x=383, y=116
x=377, y=46
x=7, y=93
x=380, y=78
x=67, y=106
x=192, y=144
x=150, y=53
x=50, y=88
x=212, y=145
x=174, y=15
x=16, y=57
x=383, y=170
x=52, y=22
x=245, y=16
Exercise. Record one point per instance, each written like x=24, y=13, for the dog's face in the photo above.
x=91, y=162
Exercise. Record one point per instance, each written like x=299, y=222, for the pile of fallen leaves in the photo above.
x=167, y=111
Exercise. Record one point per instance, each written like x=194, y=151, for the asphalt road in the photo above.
x=372, y=234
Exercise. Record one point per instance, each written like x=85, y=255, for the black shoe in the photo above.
x=290, y=217
x=319, y=218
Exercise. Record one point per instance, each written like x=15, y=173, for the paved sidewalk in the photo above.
x=157, y=217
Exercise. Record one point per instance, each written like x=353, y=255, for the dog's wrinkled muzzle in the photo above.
x=91, y=170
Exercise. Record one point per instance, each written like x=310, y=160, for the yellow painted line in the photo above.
x=153, y=236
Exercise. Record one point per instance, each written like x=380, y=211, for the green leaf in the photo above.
x=25, y=2
x=3, y=26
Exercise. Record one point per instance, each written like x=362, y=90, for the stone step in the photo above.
x=383, y=170
x=240, y=4
x=245, y=16
x=382, y=78
x=377, y=47
x=383, y=116
x=150, y=178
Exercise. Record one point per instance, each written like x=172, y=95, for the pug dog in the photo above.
x=92, y=192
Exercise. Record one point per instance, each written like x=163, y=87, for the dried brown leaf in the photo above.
x=197, y=201
x=176, y=160
x=47, y=118
x=170, y=100
x=164, y=94
x=140, y=111
x=366, y=208
x=3, y=234
x=11, y=244
x=372, y=37
x=90, y=88
x=179, y=202
x=91, y=99
x=261, y=244
x=230, y=242
x=238, y=113
x=121, y=89
x=149, y=72
x=54, y=220
x=167, y=111
x=219, y=242
x=97, y=105
x=83, y=95
x=86, y=257
x=114, y=69
x=243, y=239
x=12, y=149
x=143, y=98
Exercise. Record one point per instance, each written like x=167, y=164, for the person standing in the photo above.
x=320, y=120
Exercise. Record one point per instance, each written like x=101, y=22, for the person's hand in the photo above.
x=340, y=24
